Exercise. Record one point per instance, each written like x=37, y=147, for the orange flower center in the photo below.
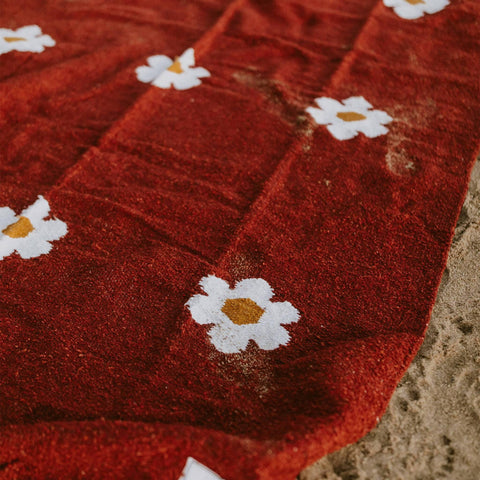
x=175, y=67
x=242, y=311
x=20, y=229
x=14, y=39
x=350, y=116
x=414, y=2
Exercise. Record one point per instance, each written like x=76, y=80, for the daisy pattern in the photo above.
x=163, y=72
x=347, y=119
x=413, y=9
x=194, y=470
x=24, y=39
x=29, y=234
x=242, y=314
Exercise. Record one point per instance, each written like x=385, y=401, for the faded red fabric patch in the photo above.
x=222, y=225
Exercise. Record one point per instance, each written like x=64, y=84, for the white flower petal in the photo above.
x=358, y=104
x=256, y=289
x=372, y=129
x=214, y=286
x=200, y=72
x=31, y=46
x=408, y=12
x=281, y=313
x=320, y=117
x=52, y=229
x=7, y=246
x=341, y=132
x=37, y=212
x=187, y=59
x=29, y=31
x=160, y=62
x=32, y=246
x=205, y=310
x=7, y=217
x=270, y=338
x=434, y=6
x=157, y=65
x=145, y=74
x=328, y=104
x=47, y=41
x=233, y=339
x=185, y=81
x=380, y=117
x=165, y=79
x=194, y=470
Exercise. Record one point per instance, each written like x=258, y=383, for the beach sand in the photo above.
x=431, y=430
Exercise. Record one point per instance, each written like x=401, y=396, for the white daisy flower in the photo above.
x=413, y=9
x=29, y=234
x=163, y=72
x=24, y=39
x=242, y=314
x=347, y=119
x=194, y=470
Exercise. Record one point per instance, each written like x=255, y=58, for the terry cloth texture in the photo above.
x=223, y=225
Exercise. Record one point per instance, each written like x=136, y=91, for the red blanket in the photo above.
x=222, y=225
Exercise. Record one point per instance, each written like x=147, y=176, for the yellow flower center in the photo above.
x=19, y=229
x=242, y=311
x=414, y=2
x=14, y=39
x=351, y=116
x=175, y=67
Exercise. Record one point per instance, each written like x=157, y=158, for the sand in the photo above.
x=431, y=429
